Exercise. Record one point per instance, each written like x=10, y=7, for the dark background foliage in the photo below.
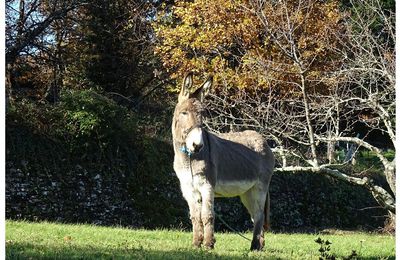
x=96, y=162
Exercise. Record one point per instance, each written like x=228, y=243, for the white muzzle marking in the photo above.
x=194, y=140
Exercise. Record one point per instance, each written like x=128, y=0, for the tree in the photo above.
x=27, y=20
x=230, y=39
x=30, y=38
x=80, y=44
x=112, y=39
x=368, y=75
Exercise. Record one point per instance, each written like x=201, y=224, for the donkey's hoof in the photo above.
x=197, y=240
x=256, y=246
x=209, y=245
x=197, y=244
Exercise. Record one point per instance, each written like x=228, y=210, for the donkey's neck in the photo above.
x=180, y=155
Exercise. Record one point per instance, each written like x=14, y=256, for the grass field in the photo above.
x=26, y=240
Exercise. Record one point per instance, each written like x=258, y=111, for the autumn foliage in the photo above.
x=236, y=40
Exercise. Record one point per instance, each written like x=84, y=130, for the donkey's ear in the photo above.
x=203, y=90
x=186, y=85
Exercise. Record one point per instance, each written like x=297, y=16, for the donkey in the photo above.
x=225, y=165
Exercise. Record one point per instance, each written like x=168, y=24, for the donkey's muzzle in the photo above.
x=194, y=140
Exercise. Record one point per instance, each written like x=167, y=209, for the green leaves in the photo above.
x=324, y=249
x=87, y=113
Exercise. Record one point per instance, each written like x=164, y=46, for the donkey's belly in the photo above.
x=232, y=188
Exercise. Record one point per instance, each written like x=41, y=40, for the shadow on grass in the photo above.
x=70, y=251
x=33, y=251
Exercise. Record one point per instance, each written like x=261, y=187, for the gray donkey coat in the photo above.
x=225, y=165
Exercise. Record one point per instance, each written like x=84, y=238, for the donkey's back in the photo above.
x=255, y=142
x=250, y=139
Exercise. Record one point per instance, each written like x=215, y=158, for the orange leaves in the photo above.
x=203, y=36
x=251, y=45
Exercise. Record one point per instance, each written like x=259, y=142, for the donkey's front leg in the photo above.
x=195, y=215
x=193, y=198
x=207, y=214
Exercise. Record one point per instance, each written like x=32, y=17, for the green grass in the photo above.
x=26, y=240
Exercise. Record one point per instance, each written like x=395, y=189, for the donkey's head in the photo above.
x=187, y=122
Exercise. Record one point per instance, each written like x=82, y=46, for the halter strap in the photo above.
x=185, y=150
x=186, y=132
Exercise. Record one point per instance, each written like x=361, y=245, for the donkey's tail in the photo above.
x=267, y=223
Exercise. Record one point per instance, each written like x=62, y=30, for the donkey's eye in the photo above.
x=184, y=113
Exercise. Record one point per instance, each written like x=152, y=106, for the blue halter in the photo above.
x=186, y=151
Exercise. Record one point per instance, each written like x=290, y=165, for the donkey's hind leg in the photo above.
x=254, y=201
x=267, y=220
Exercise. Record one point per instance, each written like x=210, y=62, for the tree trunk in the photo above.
x=390, y=173
x=308, y=119
x=331, y=152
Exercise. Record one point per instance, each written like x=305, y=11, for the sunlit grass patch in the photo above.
x=60, y=241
